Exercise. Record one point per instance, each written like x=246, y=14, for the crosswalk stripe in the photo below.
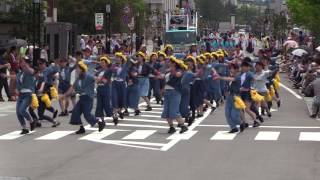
x=12, y=135
x=152, y=112
x=140, y=134
x=267, y=136
x=309, y=136
x=3, y=115
x=151, y=116
x=99, y=135
x=185, y=136
x=223, y=135
x=55, y=135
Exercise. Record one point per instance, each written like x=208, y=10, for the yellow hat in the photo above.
x=153, y=54
x=201, y=59
x=192, y=59
x=161, y=53
x=214, y=55
x=83, y=66
x=120, y=54
x=168, y=46
x=142, y=54
x=208, y=55
x=105, y=59
x=225, y=52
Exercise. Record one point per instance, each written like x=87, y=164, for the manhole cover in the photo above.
x=13, y=178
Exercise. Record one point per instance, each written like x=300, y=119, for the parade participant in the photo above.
x=214, y=84
x=64, y=84
x=118, y=87
x=144, y=70
x=133, y=94
x=162, y=58
x=238, y=54
x=168, y=50
x=84, y=86
x=193, y=50
x=43, y=105
x=245, y=87
x=223, y=70
x=155, y=77
x=186, y=81
x=232, y=114
x=260, y=79
x=199, y=88
x=45, y=86
x=103, y=80
x=172, y=95
x=25, y=88
x=89, y=60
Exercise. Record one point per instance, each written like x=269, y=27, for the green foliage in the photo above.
x=245, y=15
x=81, y=12
x=306, y=13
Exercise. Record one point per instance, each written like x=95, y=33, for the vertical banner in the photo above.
x=99, y=21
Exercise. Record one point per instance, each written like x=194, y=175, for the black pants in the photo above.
x=41, y=109
x=4, y=84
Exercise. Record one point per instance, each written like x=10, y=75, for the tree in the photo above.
x=81, y=12
x=306, y=13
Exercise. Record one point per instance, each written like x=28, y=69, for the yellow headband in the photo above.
x=83, y=66
x=142, y=55
x=105, y=59
x=193, y=59
x=168, y=46
x=161, y=53
x=123, y=57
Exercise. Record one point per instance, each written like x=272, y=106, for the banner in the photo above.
x=99, y=21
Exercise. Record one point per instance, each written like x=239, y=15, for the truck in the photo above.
x=181, y=31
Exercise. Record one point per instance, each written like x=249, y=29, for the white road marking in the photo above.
x=267, y=127
x=55, y=135
x=185, y=136
x=150, y=116
x=99, y=135
x=13, y=135
x=140, y=134
x=267, y=136
x=291, y=91
x=223, y=135
x=3, y=115
x=309, y=136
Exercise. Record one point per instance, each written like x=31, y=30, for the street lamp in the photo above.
x=36, y=31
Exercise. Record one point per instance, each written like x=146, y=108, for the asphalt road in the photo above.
x=286, y=147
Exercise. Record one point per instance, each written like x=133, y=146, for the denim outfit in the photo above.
x=25, y=85
x=155, y=82
x=231, y=112
x=119, y=86
x=104, y=95
x=144, y=83
x=247, y=83
x=133, y=94
x=84, y=87
x=64, y=79
x=186, y=81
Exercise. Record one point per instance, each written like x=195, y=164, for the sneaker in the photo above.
x=81, y=130
x=246, y=125
x=56, y=124
x=256, y=124
x=263, y=112
x=55, y=114
x=101, y=125
x=121, y=115
x=115, y=120
x=63, y=114
x=32, y=125
x=183, y=129
x=126, y=113
x=38, y=124
x=149, y=108
x=137, y=112
x=269, y=115
x=213, y=109
x=24, y=131
x=161, y=102
x=191, y=121
x=279, y=103
x=235, y=130
x=171, y=130
x=260, y=118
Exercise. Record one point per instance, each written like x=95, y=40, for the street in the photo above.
x=285, y=147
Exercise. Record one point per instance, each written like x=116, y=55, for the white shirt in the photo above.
x=243, y=78
x=82, y=44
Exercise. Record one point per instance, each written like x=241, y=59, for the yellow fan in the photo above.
x=238, y=103
x=45, y=98
x=272, y=91
x=256, y=97
x=268, y=97
x=276, y=84
x=34, y=102
x=53, y=93
x=277, y=77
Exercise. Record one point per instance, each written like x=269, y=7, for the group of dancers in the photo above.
x=185, y=87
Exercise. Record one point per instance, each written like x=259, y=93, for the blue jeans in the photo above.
x=184, y=103
x=171, y=104
x=103, y=101
x=83, y=106
x=133, y=96
x=22, y=104
x=232, y=113
x=155, y=87
x=119, y=91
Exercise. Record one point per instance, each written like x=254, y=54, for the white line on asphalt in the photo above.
x=55, y=135
x=129, y=125
x=140, y=134
x=268, y=127
x=267, y=136
x=99, y=135
x=13, y=135
x=125, y=145
x=185, y=136
x=291, y=91
x=150, y=116
x=223, y=135
x=309, y=136
x=3, y=115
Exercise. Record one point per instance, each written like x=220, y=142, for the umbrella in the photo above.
x=299, y=52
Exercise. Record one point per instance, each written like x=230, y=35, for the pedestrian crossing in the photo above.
x=147, y=134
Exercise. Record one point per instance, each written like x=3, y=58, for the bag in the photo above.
x=238, y=103
x=34, y=102
x=308, y=91
x=46, y=100
x=256, y=97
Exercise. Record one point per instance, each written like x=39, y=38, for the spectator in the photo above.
x=14, y=69
x=316, y=98
x=44, y=53
x=4, y=65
